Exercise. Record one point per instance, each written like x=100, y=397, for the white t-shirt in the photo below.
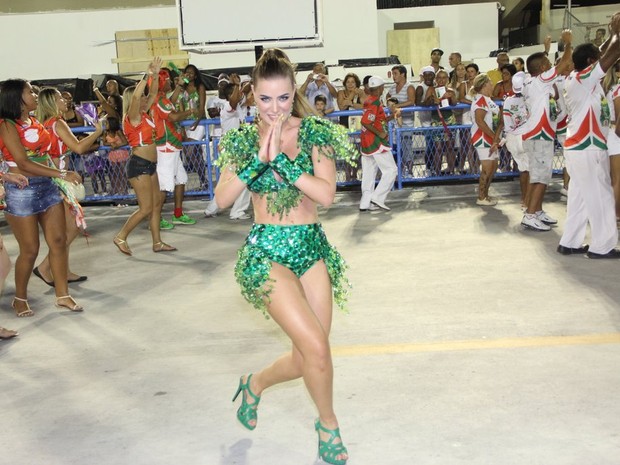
x=562, y=121
x=588, y=109
x=313, y=90
x=536, y=91
x=231, y=118
x=215, y=101
x=515, y=115
x=402, y=97
x=491, y=117
x=424, y=116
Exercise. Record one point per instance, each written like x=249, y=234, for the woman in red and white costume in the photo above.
x=25, y=144
x=51, y=106
x=486, y=131
x=139, y=129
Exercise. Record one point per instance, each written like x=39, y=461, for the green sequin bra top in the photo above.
x=239, y=149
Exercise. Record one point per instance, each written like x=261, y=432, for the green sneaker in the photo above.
x=183, y=219
x=163, y=224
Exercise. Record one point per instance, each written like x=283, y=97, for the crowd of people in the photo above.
x=284, y=164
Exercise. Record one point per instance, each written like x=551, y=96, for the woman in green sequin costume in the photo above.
x=286, y=267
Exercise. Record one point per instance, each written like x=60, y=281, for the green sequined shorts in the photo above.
x=296, y=247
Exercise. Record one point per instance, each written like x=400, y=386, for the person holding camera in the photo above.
x=317, y=83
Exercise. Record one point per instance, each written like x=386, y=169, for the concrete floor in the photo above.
x=469, y=341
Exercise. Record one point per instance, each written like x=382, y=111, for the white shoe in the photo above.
x=532, y=222
x=488, y=202
x=382, y=206
x=564, y=191
x=243, y=216
x=542, y=216
x=208, y=214
x=371, y=208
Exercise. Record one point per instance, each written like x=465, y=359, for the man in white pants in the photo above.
x=590, y=197
x=376, y=150
x=231, y=117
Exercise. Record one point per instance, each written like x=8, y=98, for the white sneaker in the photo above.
x=564, y=192
x=209, y=214
x=542, y=216
x=382, y=206
x=488, y=202
x=243, y=216
x=532, y=222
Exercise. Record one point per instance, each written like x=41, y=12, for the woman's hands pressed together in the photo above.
x=270, y=142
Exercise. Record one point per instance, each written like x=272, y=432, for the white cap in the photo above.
x=375, y=81
x=517, y=82
x=427, y=69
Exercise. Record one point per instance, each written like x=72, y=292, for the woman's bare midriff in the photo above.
x=305, y=213
x=148, y=152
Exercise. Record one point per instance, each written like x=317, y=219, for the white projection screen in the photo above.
x=208, y=26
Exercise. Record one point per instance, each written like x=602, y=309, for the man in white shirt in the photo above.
x=317, y=83
x=215, y=103
x=590, y=196
x=539, y=136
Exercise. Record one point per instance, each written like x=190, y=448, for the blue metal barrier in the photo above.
x=426, y=154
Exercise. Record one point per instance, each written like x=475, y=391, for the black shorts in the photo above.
x=138, y=165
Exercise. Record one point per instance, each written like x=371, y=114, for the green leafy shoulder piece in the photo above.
x=238, y=146
x=332, y=139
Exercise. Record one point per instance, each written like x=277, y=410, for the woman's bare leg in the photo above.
x=303, y=309
x=486, y=176
x=157, y=200
x=142, y=187
x=72, y=232
x=26, y=232
x=5, y=264
x=53, y=224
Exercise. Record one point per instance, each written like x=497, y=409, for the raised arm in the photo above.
x=236, y=95
x=567, y=58
x=332, y=89
x=153, y=73
x=109, y=109
x=77, y=146
x=611, y=47
x=304, y=86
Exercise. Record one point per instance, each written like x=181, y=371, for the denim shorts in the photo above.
x=138, y=165
x=39, y=195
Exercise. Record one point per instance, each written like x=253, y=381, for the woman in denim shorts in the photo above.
x=25, y=144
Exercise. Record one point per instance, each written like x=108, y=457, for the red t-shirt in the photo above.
x=34, y=137
x=374, y=116
x=167, y=133
x=57, y=146
x=140, y=135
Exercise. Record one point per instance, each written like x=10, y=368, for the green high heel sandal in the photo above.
x=247, y=412
x=328, y=451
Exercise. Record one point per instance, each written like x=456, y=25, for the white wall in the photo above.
x=69, y=44
x=469, y=29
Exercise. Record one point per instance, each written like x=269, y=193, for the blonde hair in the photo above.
x=479, y=83
x=127, y=96
x=47, y=107
x=274, y=63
